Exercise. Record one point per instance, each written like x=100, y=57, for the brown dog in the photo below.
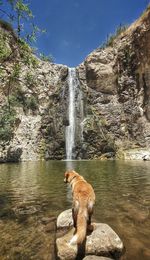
x=83, y=202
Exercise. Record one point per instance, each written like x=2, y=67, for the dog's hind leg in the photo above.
x=90, y=212
x=75, y=210
x=74, y=218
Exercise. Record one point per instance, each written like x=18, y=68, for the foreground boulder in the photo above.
x=103, y=241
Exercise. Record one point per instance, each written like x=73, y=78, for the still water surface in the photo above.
x=31, y=192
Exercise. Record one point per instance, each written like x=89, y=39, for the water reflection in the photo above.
x=31, y=191
x=70, y=165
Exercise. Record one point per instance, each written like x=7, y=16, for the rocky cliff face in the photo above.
x=115, y=83
x=31, y=100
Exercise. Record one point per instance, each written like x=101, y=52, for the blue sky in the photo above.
x=76, y=27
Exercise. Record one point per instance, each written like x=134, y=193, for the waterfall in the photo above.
x=70, y=129
x=75, y=108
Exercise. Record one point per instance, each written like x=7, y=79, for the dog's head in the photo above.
x=70, y=175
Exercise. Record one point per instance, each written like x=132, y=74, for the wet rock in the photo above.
x=136, y=154
x=49, y=224
x=146, y=157
x=47, y=220
x=25, y=210
x=50, y=227
x=109, y=155
x=103, y=241
x=7, y=213
x=14, y=154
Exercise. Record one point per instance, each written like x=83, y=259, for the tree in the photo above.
x=19, y=14
x=22, y=13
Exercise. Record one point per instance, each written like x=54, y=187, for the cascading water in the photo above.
x=75, y=114
x=70, y=129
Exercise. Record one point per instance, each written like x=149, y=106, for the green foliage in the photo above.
x=23, y=13
x=30, y=79
x=31, y=103
x=110, y=39
x=18, y=98
x=7, y=121
x=48, y=58
x=27, y=54
x=19, y=14
x=32, y=36
x=5, y=51
x=16, y=72
x=29, y=59
x=22, y=8
x=23, y=46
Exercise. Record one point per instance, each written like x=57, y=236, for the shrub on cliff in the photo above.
x=5, y=50
x=7, y=121
x=111, y=37
x=31, y=103
x=18, y=98
x=48, y=58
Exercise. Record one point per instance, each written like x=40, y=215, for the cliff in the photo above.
x=31, y=103
x=115, y=85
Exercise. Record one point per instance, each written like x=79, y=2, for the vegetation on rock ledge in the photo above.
x=111, y=37
x=7, y=121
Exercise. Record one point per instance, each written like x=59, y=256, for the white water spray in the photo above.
x=70, y=129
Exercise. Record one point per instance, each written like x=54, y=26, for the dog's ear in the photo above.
x=66, y=177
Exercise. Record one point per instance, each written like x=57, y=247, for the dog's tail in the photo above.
x=80, y=235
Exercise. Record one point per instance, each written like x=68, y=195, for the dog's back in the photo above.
x=83, y=202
